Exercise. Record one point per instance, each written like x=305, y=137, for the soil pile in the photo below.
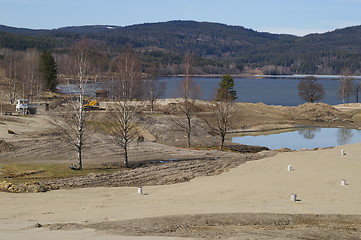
x=233, y=226
x=246, y=148
x=318, y=112
x=29, y=187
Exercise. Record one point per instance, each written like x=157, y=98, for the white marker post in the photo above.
x=343, y=183
x=140, y=190
x=293, y=197
x=289, y=168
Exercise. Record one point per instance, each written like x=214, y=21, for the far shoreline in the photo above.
x=69, y=79
x=292, y=76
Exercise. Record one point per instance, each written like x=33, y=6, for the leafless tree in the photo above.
x=31, y=84
x=309, y=90
x=186, y=105
x=125, y=113
x=220, y=119
x=13, y=72
x=345, y=88
x=64, y=64
x=154, y=88
x=357, y=91
x=187, y=109
x=124, y=119
x=187, y=87
x=22, y=73
x=222, y=111
x=126, y=81
x=75, y=118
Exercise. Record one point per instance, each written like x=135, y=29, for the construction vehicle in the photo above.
x=23, y=106
x=90, y=105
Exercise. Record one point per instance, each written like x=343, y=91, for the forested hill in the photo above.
x=217, y=48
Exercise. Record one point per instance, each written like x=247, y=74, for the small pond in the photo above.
x=303, y=138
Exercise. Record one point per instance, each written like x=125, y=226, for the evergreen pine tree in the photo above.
x=225, y=92
x=48, y=70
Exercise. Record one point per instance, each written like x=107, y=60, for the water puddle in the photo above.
x=306, y=138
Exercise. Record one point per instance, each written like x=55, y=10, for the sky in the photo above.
x=297, y=17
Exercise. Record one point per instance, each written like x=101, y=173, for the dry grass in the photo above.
x=356, y=118
x=21, y=173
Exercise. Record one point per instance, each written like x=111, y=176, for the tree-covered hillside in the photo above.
x=217, y=48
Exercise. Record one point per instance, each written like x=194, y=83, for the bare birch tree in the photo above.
x=345, y=88
x=154, y=88
x=64, y=64
x=186, y=106
x=127, y=92
x=13, y=73
x=31, y=85
x=75, y=118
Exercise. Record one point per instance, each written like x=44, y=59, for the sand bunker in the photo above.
x=262, y=186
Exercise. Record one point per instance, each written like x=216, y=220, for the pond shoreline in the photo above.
x=305, y=137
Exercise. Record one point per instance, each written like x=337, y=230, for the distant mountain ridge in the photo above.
x=217, y=44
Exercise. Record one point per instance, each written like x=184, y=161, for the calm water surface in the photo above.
x=271, y=91
x=306, y=138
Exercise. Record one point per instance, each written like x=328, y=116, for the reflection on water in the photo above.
x=309, y=133
x=305, y=138
x=344, y=135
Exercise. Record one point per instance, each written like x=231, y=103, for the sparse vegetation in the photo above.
x=22, y=173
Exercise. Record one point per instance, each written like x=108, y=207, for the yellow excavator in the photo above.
x=90, y=105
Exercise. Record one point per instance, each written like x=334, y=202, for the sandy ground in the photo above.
x=262, y=186
x=256, y=187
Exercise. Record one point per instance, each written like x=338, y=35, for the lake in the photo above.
x=271, y=91
x=304, y=138
x=280, y=90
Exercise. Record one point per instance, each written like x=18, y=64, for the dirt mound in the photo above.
x=232, y=226
x=246, y=148
x=319, y=112
x=29, y=187
x=162, y=172
x=5, y=146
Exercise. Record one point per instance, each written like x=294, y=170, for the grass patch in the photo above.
x=21, y=173
x=100, y=127
x=96, y=126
